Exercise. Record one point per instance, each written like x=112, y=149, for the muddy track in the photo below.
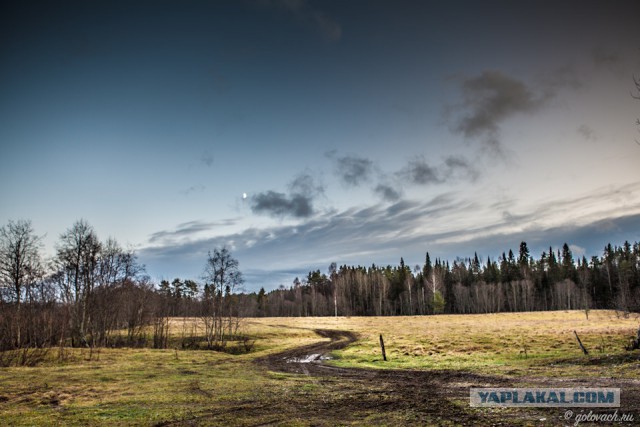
x=318, y=394
x=429, y=396
x=289, y=360
x=439, y=397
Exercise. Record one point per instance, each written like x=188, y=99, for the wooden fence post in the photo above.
x=584, y=350
x=384, y=354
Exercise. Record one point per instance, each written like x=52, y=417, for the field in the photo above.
x=433, y=361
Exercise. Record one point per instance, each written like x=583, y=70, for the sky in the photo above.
x=298, y=133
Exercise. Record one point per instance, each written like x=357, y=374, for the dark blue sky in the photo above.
x=359, y=131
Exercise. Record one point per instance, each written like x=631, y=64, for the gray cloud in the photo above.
x=587, y=132
x=305, y=183
x=489, y=99
x=351, y=235
x=454, y=168
x=457, y=167
x=387, y=193
x=353, y=170
x=207, y=159
x=603, y=57
x=193, y=189
x=282, y=205
x=298, y=203
x=189, y=229
x=381, y=234
x=562, y=77
x=611, y=61
x=418, y=171
x=494, y=97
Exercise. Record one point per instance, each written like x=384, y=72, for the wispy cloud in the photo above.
x=189, y=230
x=458, y=167
x=207, y=159
x=564, y=77
x=605, y=58
x=352, y=170
x=387, y=192
x=193, y=189
x=587, y=132
x=447, y=225
x=419, y=172
x=305, y=183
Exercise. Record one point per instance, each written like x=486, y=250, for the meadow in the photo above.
x=433, y=360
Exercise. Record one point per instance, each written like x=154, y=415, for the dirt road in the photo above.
x=426, y=398
x=313, y=393
x=434, y=397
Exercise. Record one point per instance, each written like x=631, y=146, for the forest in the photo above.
x=554, y=281
x=94, y=293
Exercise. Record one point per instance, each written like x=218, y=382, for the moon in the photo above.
x=244, y=196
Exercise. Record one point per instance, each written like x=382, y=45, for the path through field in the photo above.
x=328, y=395
x=425, y=397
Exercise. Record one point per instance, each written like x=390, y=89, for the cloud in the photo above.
x=610, y=61
x=193, y=189
x=457, y=167
x=308, y=16
x=387, y=193
x=603, y=58
x=352, y=170
x=350, y=235
x=447, y=226
x=355, y=171
x=587, y=133
x=491, y=98
x=305, y=183
x=207, y=159
x=298, y=203
x=281, y=205
x=563, y=77
x=189, y=230
x=419, y=172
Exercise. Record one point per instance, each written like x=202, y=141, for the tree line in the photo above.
x=95, y=293
x=554, y=281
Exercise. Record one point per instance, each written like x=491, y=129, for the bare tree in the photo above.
x=20, y=267
x=222, y=277
x=77, y=261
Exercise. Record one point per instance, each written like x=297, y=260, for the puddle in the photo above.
x=308, y=359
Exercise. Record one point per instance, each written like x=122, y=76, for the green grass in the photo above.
x=145, y=387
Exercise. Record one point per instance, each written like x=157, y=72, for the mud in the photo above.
x=434, y=397
x=325, y=395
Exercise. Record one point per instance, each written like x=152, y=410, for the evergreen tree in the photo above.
x=261, y=301
x=427, y=270
x=568, y=264
x=523, y=257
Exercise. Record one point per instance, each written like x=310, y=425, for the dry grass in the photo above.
x=506, y=342
x=145, y=387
